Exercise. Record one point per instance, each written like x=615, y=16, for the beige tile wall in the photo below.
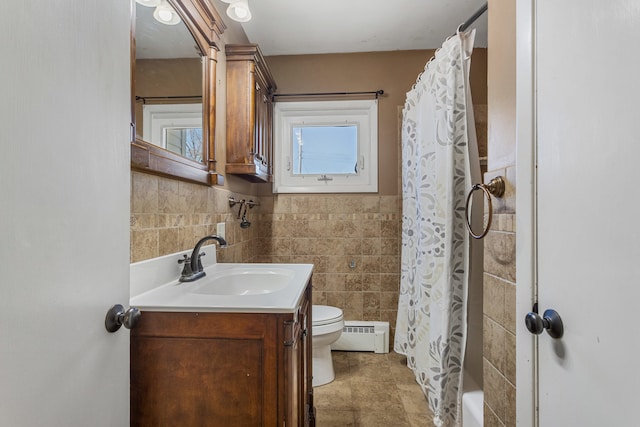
x=499, y=341
x=168, y=216
x=499, y=364
x=332, y=232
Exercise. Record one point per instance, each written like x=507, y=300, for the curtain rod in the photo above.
x=144, y=98
x=466, y=24
x=375, y=92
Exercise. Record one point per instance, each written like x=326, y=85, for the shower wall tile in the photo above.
x=510, y=307
x=494, y=390
x=500, y=255
x=490, y=417
x=510, y=407
x=510, y=358
x=499, y=349
x=494, y=344
x=494, y=297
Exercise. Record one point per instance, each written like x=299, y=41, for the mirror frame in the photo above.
x=206, y=27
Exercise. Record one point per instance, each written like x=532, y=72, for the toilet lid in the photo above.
x=324, y=314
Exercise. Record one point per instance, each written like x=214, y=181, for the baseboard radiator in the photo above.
x=363, y=336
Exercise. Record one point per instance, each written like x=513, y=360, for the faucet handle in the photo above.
x=186, y=270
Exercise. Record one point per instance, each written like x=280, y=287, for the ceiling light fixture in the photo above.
x=149, y=3
x=238, y=10
x=165, y=14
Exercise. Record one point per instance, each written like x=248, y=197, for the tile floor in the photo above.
x=371, y=390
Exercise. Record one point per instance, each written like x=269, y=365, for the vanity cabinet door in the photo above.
x=223, y=369
x=197, y=369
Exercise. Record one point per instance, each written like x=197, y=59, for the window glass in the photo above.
x=186, y=141
x=325, y=149
x=174, y=127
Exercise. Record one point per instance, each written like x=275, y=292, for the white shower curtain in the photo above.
x=437, y=132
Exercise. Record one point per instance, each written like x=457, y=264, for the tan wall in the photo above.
x=394, y=72
x=166, y=77
x=499, y=363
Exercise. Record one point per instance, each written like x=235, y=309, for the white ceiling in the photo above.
x=160, y=41
x=291, y=27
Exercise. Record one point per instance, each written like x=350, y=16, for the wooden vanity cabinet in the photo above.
x=250, y=87
x=223, y=369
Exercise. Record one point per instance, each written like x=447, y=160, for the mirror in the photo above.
x=173, y=94
x=168, y=85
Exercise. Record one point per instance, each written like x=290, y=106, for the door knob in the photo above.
x=117, y=316
x=550, y=321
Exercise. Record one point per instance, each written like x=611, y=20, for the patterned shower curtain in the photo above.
x=432, y=308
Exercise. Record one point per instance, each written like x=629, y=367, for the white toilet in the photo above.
x=326, y=328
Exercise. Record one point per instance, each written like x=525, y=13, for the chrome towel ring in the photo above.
x=494, y=187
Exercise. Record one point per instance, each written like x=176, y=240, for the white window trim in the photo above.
x=364, y=113
x=157, y=117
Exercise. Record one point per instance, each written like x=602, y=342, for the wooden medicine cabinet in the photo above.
x=250, y=87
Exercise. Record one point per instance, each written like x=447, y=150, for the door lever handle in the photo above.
x=550, y=320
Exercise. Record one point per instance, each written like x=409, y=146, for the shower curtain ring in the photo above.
x=495, y=187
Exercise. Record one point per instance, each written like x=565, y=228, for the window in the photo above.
x=326, y=147
x=186, y=141
x=174, y=127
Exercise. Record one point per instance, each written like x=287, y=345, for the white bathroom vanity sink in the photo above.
x=239, y=288
x=245, y=281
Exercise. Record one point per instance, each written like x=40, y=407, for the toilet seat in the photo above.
x=325, y=315
x=326, y=329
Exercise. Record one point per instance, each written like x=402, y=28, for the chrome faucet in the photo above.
x=193, y=269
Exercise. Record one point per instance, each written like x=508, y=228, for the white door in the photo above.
x=64, y=208
x=586, y=116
